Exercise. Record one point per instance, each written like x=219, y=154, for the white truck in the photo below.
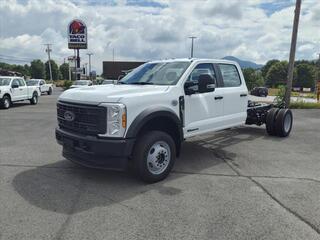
x=42, y=85
x=14, y=89
x=142, y=121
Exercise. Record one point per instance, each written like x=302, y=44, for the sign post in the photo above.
x=77, y=39
x=318, y=91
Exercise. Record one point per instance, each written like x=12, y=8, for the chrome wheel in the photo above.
x=6, y=103
x=159, y=157
x=287, y=122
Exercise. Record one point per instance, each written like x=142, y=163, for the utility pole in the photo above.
x=292, y=53
x=192, y=39
x=89, y=54
x=48, y=50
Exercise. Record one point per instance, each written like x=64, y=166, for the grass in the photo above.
x=304, y=105
x=275, y=91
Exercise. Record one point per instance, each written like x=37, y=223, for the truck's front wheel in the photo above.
x=154, y=156
x=34, y=99
x=6, y=102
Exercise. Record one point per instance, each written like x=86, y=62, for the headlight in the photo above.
x=116, y=120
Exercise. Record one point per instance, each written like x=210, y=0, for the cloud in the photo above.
x=256, y=30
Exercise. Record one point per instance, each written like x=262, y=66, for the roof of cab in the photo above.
x=194, y=60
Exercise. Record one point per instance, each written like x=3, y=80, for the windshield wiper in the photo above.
x=142, y=83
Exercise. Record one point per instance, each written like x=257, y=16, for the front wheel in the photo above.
x=154, y=156
x=6, y=102
x=34, y=99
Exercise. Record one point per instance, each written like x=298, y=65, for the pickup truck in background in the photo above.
x=42, y=85
x=14, y=89
x=142, y=121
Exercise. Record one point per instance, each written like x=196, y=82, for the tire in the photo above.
x=6, y=102
x=270, y=121
x=34, y=99
x=154, y=156
x=50, y=91
x=284, y=121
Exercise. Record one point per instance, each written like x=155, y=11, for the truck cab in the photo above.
x=142, y=121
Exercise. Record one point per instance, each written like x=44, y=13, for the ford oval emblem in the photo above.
x=69, y=116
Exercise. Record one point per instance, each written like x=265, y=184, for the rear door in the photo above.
x=235, y=94
x=202, y=110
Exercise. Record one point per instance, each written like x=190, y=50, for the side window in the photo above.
x=230, y=75
x=21, y=82
x=202, y=68
x=15, y=82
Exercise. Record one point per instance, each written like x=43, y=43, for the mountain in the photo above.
x=242, y=63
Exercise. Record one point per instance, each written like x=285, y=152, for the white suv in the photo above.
x=143, y=120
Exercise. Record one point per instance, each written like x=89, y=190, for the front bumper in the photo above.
x=95, y=152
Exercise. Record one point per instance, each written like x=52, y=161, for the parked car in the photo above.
x=42, y=85
x=81, y=83
x=142, y=121
x=109, y=81
x=14, y=89
x=259, y=91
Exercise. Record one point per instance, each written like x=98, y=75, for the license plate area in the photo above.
x=68, y=143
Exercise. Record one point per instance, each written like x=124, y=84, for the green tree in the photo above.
x=253, y=78
x=54, y=70
x=277, y=74
x=64, y=70
x=306, y=75
x=37, y=69
x=265, y=68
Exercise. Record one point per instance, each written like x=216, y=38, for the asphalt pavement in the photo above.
x=235, y=184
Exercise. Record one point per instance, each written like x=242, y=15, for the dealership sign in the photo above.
x=77, y=35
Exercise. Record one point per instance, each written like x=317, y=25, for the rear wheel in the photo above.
x=270, y=121
x=154, y=156
x=284, y=122
x=6, y=102
x=34, y=99
x=50, y=91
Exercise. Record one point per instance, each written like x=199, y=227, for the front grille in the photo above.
x=87, y=119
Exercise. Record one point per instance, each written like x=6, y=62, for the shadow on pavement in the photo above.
x=62, y=187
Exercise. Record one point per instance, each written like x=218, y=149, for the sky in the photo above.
x=255, y=30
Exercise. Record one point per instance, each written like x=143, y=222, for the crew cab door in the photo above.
x=202, y=110
x=235, y=94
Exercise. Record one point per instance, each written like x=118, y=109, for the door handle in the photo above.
x=218, y=98
x=243, y=95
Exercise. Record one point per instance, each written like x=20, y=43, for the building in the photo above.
x=114, y=69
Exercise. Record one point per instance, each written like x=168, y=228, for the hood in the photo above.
x=109, y=93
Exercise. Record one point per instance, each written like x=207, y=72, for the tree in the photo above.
x=37, y=69
x=305, y=76
x=253, y=78
x=64, y=70
x=277, y=74
x=265, y=68
x=54, y=70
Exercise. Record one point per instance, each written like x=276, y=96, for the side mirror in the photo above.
x=14, y=85
x=189, y=87
x=41, y=83
x=206, y=83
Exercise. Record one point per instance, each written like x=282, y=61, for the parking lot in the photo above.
x=235, y=184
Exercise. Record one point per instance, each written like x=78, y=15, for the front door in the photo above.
x=202, y=110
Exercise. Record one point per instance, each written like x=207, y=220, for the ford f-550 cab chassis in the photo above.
x=142, y=121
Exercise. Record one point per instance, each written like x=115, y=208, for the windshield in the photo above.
x=81, y=82
x=5, y=81
x=162, y=73
x=32, y=83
